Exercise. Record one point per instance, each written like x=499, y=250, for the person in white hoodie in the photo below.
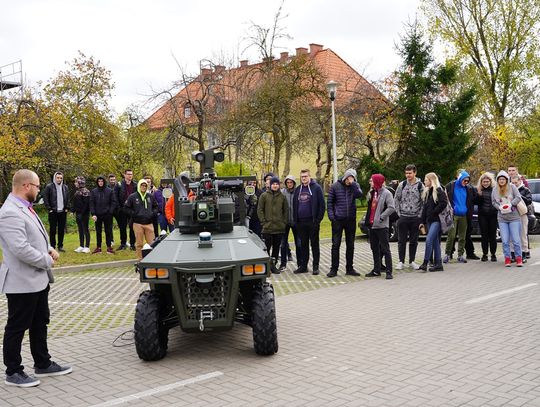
x=505, y=198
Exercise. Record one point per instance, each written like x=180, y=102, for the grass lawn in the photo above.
x=71, y=242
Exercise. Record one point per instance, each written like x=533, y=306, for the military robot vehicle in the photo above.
x=210, y=271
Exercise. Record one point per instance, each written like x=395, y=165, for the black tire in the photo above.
x=151, y=337
x=264, y=322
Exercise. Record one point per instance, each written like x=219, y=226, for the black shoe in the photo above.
x=513, y=260
x=389, y=276
x=493, y=257
x=61, y=249
x=315, y=270
x=300, y=270
x=275, y=271
x=526, y=255
x=282, y=267
x=437, y=267
x=373, y=273
x=122, y=247
x=423, y=266
x=132, y=248
x=352, y=272
x=331, y=273
x=473, y=257
x=484, y=257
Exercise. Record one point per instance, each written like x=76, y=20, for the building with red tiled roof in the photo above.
x=216, y=88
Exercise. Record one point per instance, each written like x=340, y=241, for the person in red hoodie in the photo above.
x=380, y=207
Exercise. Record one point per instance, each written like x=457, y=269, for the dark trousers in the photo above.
x=407, y=231
x=469, y=246
x=308, y=232
x=57, y=220
x=163, y=224
x=104, y=221
x=338, y=226
x=84, y=231
x=285, y=250
x=155, y=224
x=488, y=229
x=273, y=242
x=28, y=311
x=124, y=221
x=378, y=240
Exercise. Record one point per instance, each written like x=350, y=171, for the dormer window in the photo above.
x=187, y=110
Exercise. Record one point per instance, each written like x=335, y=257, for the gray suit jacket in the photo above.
x=26, y=267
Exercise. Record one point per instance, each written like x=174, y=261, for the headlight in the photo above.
x=156, y=273
x=250, y=269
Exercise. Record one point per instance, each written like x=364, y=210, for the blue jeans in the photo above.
x=163, y=224
x=511, y=231
x=433, y=242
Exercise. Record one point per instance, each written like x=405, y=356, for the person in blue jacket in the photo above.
x=342, y=214
x=308, y=212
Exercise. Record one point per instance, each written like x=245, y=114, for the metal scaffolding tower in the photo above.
x=11, y=76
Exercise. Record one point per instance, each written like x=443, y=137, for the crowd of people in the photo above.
x=275, y=211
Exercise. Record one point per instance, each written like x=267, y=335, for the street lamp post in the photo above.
x=332, y=87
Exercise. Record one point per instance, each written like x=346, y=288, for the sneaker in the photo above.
x=493, y=257
x=473, y=257
x=352, y=272
x=79, y=249
x=315, y=270
x=300, y=270
x=446, y=258
x=461, y=259
x=389, y=276
x=61, y=250
x=110, y=250
x=85, y=250
x=21, y=379
x=414, y=266
x=282, y=267
x=507, y=262
x=526, y=255
x=423, y=267
x=373, y=273
x=274, y=270
x=53, y=370
x=484, y=257
x=97, y=250
x=331, y=273
x=399, y=266
x=122, y=247
x=519, y=261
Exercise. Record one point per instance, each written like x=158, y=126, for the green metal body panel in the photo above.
x=187, y=262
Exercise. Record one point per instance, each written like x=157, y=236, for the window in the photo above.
x=187, y=110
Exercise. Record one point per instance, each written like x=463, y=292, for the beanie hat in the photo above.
x=274, y=180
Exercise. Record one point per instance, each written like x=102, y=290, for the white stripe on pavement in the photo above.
x=160, y=389
x=499, y=293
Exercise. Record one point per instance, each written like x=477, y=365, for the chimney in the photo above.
x=206, y=71
x=283, y=56
x=219, y=68
x=301, y=51
x=243, y=63
x=314, y=48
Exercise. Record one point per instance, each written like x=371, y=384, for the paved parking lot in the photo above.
x=469, y=336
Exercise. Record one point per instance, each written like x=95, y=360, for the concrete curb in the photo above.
x=84, y=267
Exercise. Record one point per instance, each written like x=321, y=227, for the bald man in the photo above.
x=25, y=275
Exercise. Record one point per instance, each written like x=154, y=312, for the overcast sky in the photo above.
x=137, y=39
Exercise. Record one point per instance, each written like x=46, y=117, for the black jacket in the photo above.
x=432, y=209
x=102, y=200
x=50, y=197
x=525, y=194
x=318, y=206
x=135, y=208
x=485, y=206
x=81, y=204
x=121, y=194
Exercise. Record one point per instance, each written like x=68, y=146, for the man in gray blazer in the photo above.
x=25, y=275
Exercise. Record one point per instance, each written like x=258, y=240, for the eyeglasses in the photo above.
x=34, y=185
x=465, y=181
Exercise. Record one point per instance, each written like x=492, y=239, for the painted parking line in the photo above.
x=499, y=293
x=123, y=304
x=96, y=278
x=160, y=389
